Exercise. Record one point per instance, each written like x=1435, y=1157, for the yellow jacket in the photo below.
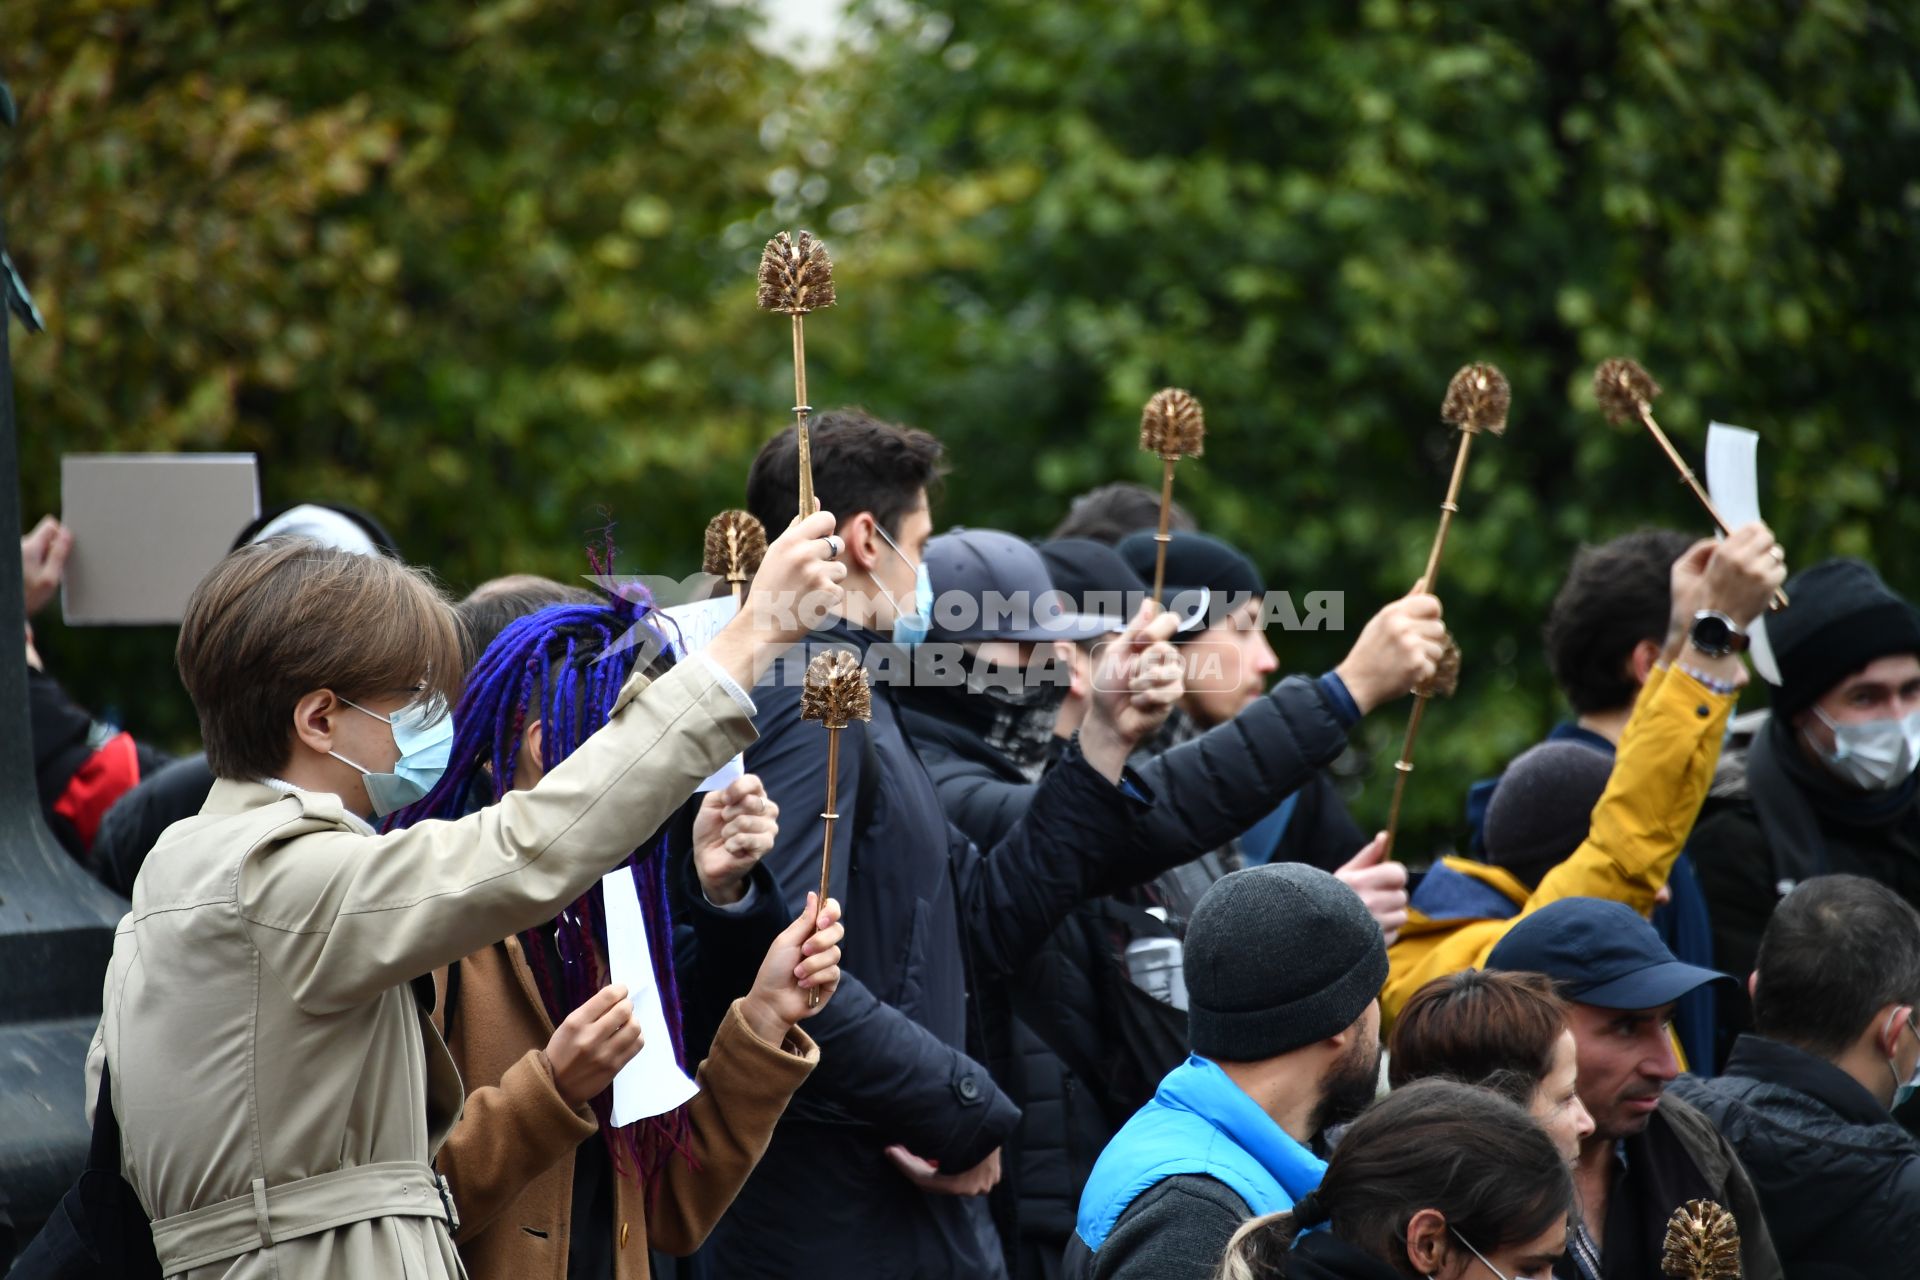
x=1660, y=778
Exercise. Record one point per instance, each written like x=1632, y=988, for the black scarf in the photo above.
x=1793, y=797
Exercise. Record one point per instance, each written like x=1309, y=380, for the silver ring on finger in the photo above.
x=834, y=546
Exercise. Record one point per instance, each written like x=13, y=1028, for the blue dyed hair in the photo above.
x=565, y=666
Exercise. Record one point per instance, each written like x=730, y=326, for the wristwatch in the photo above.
x=1716, y=635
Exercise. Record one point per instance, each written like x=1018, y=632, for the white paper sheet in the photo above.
x=698, y=624
x=1733, y=480
x=653, y=1082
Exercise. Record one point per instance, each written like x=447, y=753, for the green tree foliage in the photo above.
x=459, y=265
x=486, y=268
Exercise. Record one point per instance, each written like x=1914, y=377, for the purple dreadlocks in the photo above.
x=572, y=658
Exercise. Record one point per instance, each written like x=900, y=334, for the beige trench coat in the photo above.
x=258, y=1013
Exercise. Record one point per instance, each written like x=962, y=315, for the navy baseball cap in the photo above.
x=989, y=585
x=1600, y=953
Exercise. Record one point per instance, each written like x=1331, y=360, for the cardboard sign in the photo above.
x=147, y=527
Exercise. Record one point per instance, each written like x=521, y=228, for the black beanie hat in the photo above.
x=1278, y=957
x=1543, y=807
x=1841, y=618
x=1196, y=561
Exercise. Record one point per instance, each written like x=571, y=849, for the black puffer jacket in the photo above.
x=1081, y=1058
x=1839, y=1181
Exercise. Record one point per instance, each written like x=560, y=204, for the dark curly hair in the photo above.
x=1616, y=595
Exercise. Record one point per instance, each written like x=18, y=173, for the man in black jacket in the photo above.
x=1649, y=1152
x=1828, y=784
x=1806, y=1100
x=1084, y=1053
x=881, y=1160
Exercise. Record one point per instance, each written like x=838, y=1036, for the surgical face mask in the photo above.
x=910, y=628
x=1874, y=755
x=424, y=741
x=1903, y=1089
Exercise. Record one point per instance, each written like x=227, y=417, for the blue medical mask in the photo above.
x=1874, y=755
x=909, y=628
x=423, y=735
x=1903, y=1089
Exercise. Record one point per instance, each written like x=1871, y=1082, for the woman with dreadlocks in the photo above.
x=544, y=1183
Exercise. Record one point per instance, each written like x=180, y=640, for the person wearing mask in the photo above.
x=1602, y=640
x=278, y=1085
x=1283, y=963
x=1649, y=1152
x=1439, y=1180
x=544, y=1182
x=1622, y=847
x=1507, y=1032
x=173, y=791
x=1086, y=1051
x=898, y=1133
x=1806, y=1097
x=1828, y=783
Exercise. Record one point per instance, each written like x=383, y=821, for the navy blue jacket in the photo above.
x=930, y=919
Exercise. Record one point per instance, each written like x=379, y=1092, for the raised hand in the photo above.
x=733, y=830
x=804, y=958
x=1381, y=884
x=43, y=561
x=1743, y=573
x=797, y=586
x=1137, y=680
x=1399, y=648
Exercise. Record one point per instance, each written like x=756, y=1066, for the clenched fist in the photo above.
x=733, y=830
x=1400, y=647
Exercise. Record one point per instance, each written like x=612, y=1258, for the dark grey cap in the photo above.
x=989, y=585
x=1278, y=957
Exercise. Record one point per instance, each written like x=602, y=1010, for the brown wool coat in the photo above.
x=510, y=1158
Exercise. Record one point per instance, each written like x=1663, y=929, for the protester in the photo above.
x=538, y=1032
x=1085, y=1054
x=1622, y=848
x=1507, y=1032
x=81, y=764
x=1805, y=1101
x=1649, y=1152
x=1229, y=662
x=1437, y=1179
x=1828, y=783
x=176, y=791
x=1603, y=638
x=1113, y=511
x=265, y=1012
x=899, y=1131
x=1285, y=1032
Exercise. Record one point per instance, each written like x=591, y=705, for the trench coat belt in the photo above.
x=269, y=1214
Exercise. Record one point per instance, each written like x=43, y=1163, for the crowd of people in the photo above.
x=1106, y=980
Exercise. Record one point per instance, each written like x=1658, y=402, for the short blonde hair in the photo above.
x=278, y=619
